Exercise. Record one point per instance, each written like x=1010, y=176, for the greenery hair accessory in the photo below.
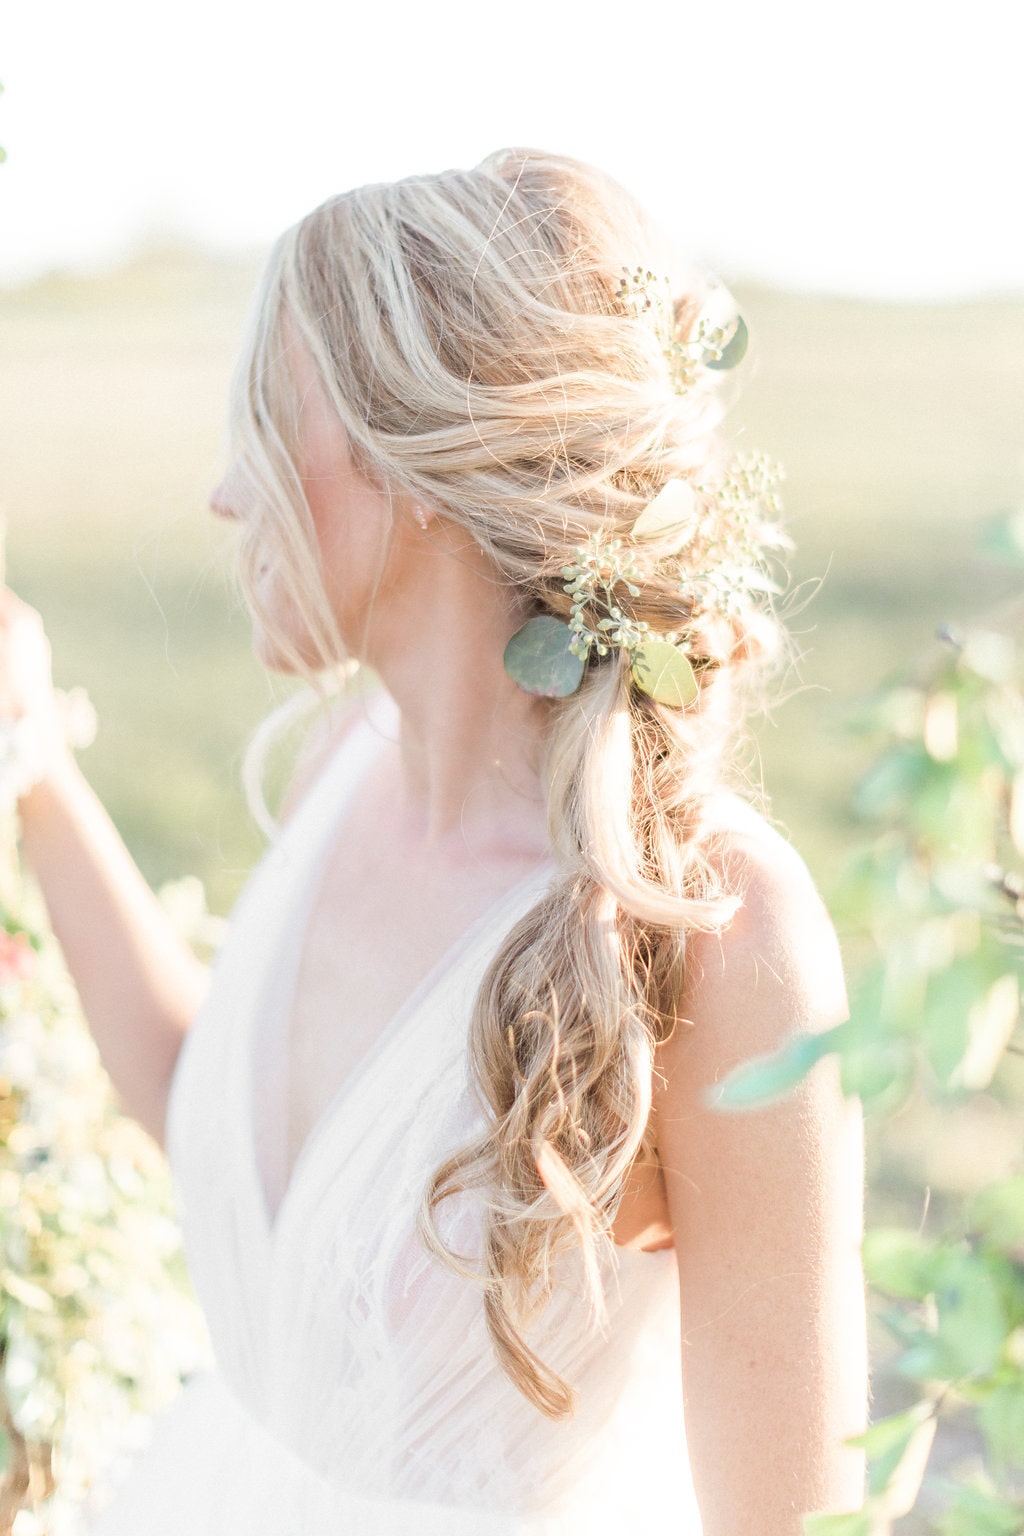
x=548, y=655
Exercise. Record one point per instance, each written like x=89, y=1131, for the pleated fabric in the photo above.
x=355, y=1391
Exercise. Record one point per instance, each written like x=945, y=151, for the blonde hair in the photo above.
x=467, y=329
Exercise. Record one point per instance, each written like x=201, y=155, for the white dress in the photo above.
x=355, y=1391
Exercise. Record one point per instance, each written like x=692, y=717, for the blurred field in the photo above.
x=901, y=427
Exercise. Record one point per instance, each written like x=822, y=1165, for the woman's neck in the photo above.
x=472, y=742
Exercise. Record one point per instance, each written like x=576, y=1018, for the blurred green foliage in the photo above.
x=97, y=1322
x=939, y=892
x=896, y=424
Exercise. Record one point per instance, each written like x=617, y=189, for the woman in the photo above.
x=454, y=1186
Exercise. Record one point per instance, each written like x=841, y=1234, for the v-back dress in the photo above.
x=355, y=1391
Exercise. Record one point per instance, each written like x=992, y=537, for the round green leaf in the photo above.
x=735, y=348
x=765, y=1079
x=1001, y=1417
x=998, y=1211
x=858, y=1522
x=538, y=658
x=671, y=512
x=662, y=671
x=902, y=1263
x=977, y=1512
x=1003, y=537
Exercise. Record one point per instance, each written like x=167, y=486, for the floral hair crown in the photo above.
x=725, y=531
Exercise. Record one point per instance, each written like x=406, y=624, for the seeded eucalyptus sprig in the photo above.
x=591, y=583
x=725, y=532
x=714, y=346
x=547, y=656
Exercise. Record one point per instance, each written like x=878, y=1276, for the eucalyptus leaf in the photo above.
x=977, y=1512
x=663, y=671
x=886, y=1434
x=859, y=1522
x=1001, y=1417
x=898, y=1463
x=671, y=511
x=764, y=1079
x=952, y=994
x=892, y=782
x=1003, y=537
x=735, y=349
x=877, y=1071
x=902, y=1263
x=998, y=1212
x=972, y=1320
x=538, y=658
x=990, y=1026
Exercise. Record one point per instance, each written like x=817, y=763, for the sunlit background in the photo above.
x=867, y=148
x=852, y=170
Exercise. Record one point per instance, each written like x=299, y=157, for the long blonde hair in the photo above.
x=469, y=330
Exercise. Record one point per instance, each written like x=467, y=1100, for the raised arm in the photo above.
x=139, y=983
x=767, y=1210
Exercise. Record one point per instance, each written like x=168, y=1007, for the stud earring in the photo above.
x=420, y=514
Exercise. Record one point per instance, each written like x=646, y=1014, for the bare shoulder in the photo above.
x=764, y=1204
x=774, y=969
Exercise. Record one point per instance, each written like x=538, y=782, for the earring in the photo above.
x=420, y=514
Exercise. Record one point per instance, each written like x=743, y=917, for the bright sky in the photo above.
x=858, y=146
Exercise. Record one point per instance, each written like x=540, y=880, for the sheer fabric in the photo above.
x=355, y=1389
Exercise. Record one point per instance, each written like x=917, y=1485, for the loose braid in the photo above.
x=468, y=331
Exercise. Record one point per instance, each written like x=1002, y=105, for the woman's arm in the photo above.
x=139, y=983
x=766, y=1208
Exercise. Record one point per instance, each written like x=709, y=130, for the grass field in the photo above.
x=900, y=427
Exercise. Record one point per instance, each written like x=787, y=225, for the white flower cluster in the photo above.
x=591, y=581
x=97, y=1323
x=22, y=761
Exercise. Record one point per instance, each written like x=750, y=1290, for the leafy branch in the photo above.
x=939, y=896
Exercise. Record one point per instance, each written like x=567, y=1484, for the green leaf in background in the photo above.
x=998, y=1212
x=877, y=1069
x=1003, y=537
x=952, y=995
x=860, y=1523
x=1001, y=1417
x=893, y=782
x=881, y=888
x=538, y=658
x=971, y=1324
x=976, y=1511
x=887, y=1444
x=6, y=1451
x=902, y=1263
x=990, y=1026
x=956, y=816
x=764, y=1079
